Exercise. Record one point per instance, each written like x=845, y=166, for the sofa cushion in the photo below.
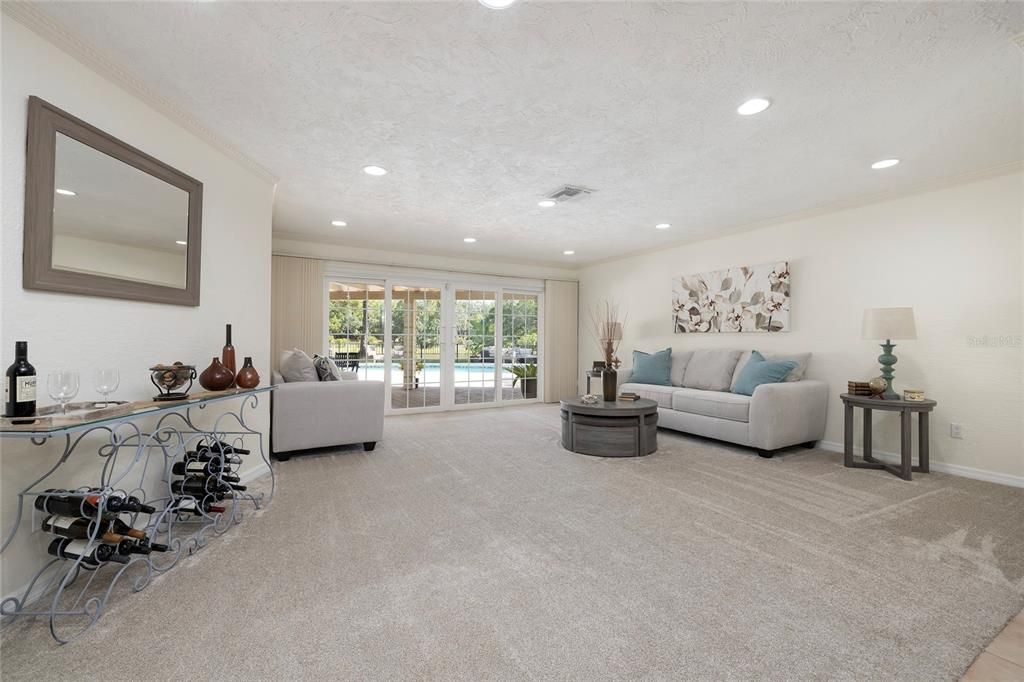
x=297, y=366
x=711, y=370
x=801, y=360
x=759, y=371
x=680, y=359
x=716, y=404
x=659, y=394
x=326, y=370
x=652, y=368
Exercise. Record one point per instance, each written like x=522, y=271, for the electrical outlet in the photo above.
x=956, y=430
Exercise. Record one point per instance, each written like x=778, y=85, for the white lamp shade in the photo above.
x=889, y=323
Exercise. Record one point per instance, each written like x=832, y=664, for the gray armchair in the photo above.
x=317, y=414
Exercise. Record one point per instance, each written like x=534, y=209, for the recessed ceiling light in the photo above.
x=884, y=163
x=181, y=243
x=339, y=223
x=497, y=4
x=469, y=240
x=375, y=170
x=547, y=203
x=66, y=192
x=662, y=226
x=753, y=106
x=568, y=253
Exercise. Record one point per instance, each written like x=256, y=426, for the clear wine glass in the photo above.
x=106, y=382
x=62, y=387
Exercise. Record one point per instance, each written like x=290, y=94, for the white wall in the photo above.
x=86, y=333
x=955, y=255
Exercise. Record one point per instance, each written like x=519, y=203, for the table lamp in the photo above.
x=888, y=324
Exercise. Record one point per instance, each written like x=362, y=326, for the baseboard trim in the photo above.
x=944, y=467
x=256, y=472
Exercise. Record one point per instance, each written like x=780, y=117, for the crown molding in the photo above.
x=825, y=209
x=29, y=15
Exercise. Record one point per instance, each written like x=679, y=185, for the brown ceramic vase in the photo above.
x=247, y=377
x=216, y=377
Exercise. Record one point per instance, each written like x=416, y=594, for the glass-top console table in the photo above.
x=167, y=480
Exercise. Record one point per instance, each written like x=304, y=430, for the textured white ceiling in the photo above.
x=478, y=113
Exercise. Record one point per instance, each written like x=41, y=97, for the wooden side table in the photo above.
x=906, y=408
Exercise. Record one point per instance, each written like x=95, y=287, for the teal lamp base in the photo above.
x=887, y=360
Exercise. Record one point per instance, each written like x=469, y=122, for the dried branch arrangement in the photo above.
x=606, y=327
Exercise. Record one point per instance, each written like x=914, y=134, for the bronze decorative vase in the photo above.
x=216, y=377
x=247, y=377
x=609, y=383
x=228, y=354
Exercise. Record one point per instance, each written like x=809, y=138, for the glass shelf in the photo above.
x=58, y=425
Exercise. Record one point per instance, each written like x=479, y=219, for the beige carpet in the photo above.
x=469, y=545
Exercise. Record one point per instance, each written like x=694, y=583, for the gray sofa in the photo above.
x=700, y=401
x=317, y=414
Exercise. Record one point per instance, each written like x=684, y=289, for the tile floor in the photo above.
x=1003, y=660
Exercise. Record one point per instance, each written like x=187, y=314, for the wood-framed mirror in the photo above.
x=103, y=218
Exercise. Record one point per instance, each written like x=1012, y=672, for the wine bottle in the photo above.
x=197, y=489
x=121, y=528
x=66, y=503
x=117, y=504
x=194, y=467
x=66, y=548
x=212, y=456
x=191, y=506
x=77, y=528
x=20, y=385
x=227, y=356
x=221, y=446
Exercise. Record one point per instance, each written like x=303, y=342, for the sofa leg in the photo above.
x=767, y=454
x=282, y=456
x=369, y=445
x=810, y=444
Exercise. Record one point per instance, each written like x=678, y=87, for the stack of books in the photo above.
x=628, y=395
x=858, y=388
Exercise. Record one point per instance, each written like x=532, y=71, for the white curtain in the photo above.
x=561, y=328
x=297, y=306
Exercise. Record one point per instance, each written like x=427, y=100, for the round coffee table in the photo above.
x=624, y=428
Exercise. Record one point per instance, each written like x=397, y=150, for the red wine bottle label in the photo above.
x=62, y=521
x=76, y=547
x=195, y=467
x=26, y=391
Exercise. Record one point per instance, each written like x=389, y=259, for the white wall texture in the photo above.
x=954, y=255
x=87, y=333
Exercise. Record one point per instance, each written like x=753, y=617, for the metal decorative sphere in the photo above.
x=877, y=386
x=590, y=399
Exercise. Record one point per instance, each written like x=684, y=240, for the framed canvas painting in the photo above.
x=743, y=299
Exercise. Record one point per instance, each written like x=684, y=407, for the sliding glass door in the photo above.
x=437, y=345
x=416, y=343
x=474, y=373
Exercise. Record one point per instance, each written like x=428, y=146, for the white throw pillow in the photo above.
x=297, y=366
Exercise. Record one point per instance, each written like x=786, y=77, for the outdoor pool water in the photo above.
x=465, y=373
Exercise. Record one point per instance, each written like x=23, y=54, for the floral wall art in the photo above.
x=745, y=299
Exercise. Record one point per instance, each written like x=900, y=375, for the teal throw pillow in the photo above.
x=652, y=368
x=759, y=371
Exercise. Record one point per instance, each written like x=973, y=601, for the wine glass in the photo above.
x=106, y=382
x=62, y=387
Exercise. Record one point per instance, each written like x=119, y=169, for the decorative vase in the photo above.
x=247, y=377
x=227, y=356
x=609, y=381
x=216, y=377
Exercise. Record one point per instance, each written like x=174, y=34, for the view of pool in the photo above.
x=465, y=373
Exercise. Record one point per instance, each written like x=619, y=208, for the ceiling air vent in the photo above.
x=567, y=192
